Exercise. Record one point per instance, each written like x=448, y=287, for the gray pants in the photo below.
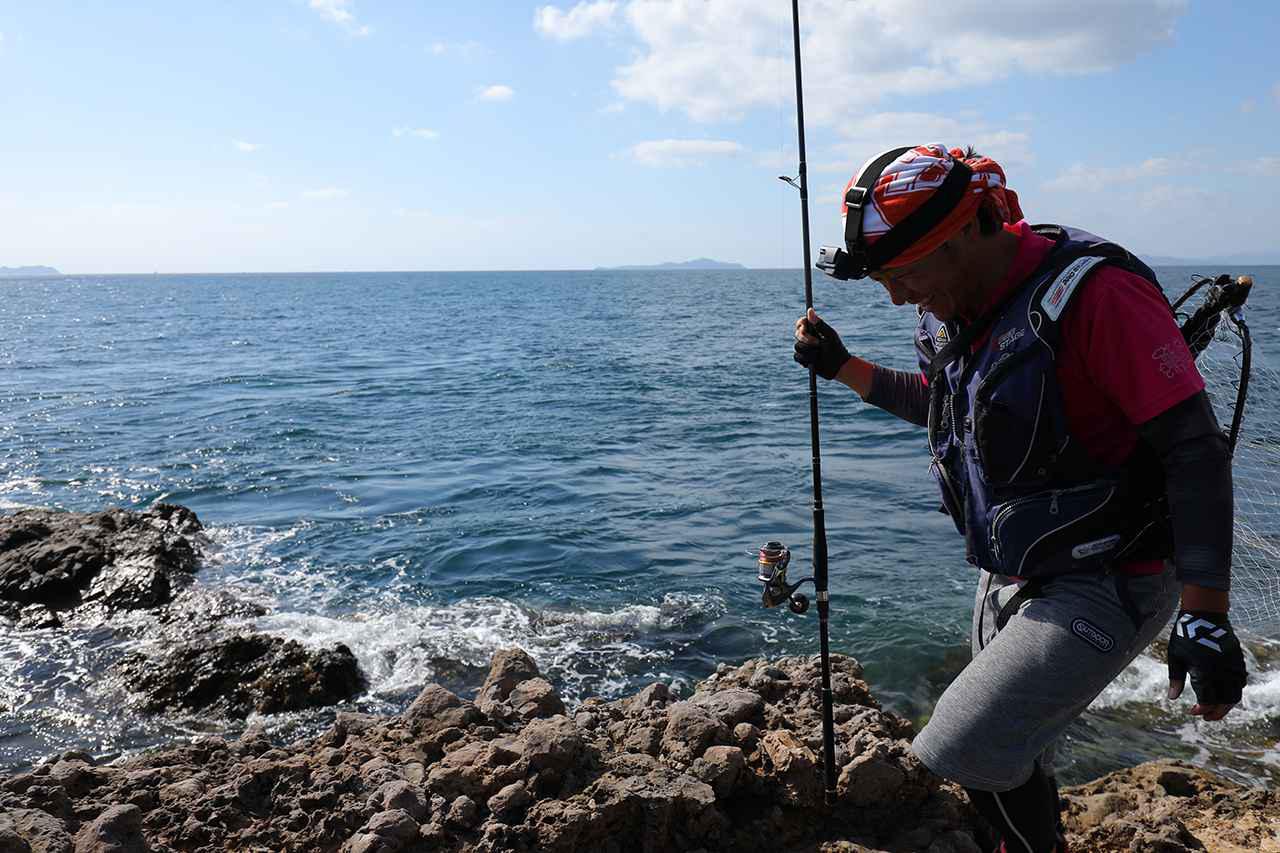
x=1039, y=671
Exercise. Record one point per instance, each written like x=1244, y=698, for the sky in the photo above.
x=308, y=135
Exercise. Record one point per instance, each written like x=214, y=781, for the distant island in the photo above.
x=28, y=272
x=695, y=264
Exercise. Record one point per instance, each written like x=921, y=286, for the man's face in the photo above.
x=930, y=283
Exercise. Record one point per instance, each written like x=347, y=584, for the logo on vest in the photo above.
x=1065, y=284
x=1009, y=338
x=1093, y=635
x=1097, y=546
x=942, y=336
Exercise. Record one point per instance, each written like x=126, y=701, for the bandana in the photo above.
x=907, y=182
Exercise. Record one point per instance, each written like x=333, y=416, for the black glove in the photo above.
x=1204, y=643
x=828, y=355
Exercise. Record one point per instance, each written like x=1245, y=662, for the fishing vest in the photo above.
x=1025, y=495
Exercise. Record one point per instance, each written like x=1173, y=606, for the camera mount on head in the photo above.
x=857, y=259
x=772, y=562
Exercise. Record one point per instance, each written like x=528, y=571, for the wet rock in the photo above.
x=118, y=559
x=245, y=674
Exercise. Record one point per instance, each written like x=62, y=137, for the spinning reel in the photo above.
x=773, y=560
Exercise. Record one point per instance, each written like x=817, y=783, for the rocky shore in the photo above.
x=735, y=765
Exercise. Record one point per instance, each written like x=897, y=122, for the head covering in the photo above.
x=909, y=181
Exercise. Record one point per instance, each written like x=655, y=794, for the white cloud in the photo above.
x=339, y=12
x=277, y=205
x=876, y=132
x=578, y=22
x=1082, y=177
x=420, y=132
x=496, y=93
x=246, y=147
x=462, y=48
x=716, y=59
x=681, y=152
x=325, y=193
x=1265, y=167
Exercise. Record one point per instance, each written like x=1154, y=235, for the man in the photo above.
x=1075, y=450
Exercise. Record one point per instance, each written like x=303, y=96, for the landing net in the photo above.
x=1255, y=571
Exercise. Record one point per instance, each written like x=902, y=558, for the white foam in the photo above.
x=584, y=651
x=1146, y=682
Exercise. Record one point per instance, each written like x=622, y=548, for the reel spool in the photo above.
x=772, y=561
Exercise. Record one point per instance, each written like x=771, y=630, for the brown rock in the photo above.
x=431, y=702
x=116, y=830
x=691, y=728
x=534, y=699
x=509, y=668
x=509, y=800
x=720, y=767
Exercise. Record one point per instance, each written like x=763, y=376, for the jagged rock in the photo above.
x=446, y=777
x=116, y=830
x=509, y=668
x=732, y=706
x=509, y=800
x=690, y=730
x=1170, y=807
x=386, y=832
x=655, y=694
x=720, y=767
x=463, y=812
x=431, y=702
x=792, y=765
x=553, y=744
x=11, y=841
x=118, y=559
x=403, y=796
x=535, y=698
x=38, y=830
x=243, y=674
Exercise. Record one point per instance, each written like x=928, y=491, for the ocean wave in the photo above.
x=402, y=648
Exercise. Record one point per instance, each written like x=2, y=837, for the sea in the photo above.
x=430, y=467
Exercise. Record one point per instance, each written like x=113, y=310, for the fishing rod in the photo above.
x=774, y=556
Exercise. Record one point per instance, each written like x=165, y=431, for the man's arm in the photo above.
x=898, y=392
x=1197, y=469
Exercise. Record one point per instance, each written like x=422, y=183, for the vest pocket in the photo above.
x=1054, y=532
x=1011, y=431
